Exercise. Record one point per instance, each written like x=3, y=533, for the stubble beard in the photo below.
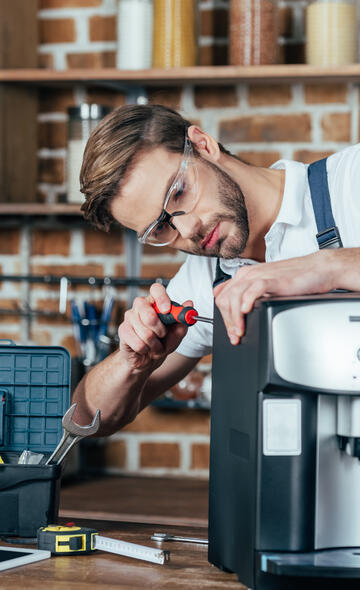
x=234, y=210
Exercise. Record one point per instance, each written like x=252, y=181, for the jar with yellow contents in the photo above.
x=175, y=33
x=331, y=32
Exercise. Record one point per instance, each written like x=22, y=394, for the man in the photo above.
x=152, y=171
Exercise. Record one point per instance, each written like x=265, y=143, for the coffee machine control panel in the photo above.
x=318, y=345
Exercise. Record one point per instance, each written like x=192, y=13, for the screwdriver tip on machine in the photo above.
x=180, y=314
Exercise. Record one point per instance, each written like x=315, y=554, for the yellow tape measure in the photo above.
x=75, y=540
x=64, y=540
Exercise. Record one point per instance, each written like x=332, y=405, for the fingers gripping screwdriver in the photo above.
x=181, y=314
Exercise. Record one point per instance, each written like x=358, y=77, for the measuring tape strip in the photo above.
x=72, y=540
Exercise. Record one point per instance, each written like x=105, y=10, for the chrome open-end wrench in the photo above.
x=72, y=434
x=166, y=537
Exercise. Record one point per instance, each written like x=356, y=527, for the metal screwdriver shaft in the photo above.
x=199, y=318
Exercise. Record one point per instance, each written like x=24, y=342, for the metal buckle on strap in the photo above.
x=329, y=238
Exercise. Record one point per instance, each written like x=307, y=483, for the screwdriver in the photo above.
x=181, y=314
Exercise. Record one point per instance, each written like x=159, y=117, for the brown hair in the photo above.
x=112, y=147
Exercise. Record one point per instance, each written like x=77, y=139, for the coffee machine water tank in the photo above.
x=284, y=502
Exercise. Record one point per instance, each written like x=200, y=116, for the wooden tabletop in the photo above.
x=156, y=500
x=188, y=567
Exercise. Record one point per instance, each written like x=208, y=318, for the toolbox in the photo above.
x=34, y=395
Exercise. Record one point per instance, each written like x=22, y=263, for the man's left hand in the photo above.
x=295, y=276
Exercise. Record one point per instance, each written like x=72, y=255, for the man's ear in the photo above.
x=205, y=144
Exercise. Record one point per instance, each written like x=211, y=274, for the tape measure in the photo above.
x=62, y=540
x=72, y=540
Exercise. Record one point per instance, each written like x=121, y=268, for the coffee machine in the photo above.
x=284, y=505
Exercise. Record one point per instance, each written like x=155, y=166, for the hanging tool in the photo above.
x=181, y=314
x=72, y=540
x=72, y=434
x=78, y=328
x=166, y=537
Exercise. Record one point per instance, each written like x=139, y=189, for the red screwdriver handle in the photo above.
x=178, y=314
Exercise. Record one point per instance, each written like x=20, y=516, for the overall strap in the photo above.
x=220, y=275
x=328, y=235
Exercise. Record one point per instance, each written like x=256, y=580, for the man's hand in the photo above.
x=145, y=341
x=316, y=273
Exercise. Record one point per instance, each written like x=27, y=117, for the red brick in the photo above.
x=14, y=336
x=46, y=242
x=51, y=170
x=10, y=304
x=115, y=454
x=45, y=4
x=107, y=97
x=214, y=23
x=266, y=128
x=58, y=270
x=98, y=242
x=70, y=344
x=264, y=159
x=57, y=30
x=325, y=93
x=215, y=96
x=159, y=455
x=52, y=306
x=41, y=337
x=200, y=456
x=102, y=28
x=166, y=96
x=154, y=250
x=269, y=94
x=156, y=420
x=336, y=126
x=308, y=156
x=162, y=269
x=52, y=134
x=9, y=241
x=55, y=101
x=103, y=59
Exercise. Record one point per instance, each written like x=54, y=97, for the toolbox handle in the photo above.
x=7, y=341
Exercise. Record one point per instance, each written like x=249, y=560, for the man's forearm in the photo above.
x=345, y=268
x=112, y=387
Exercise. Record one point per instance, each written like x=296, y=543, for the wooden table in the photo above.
x=188, y=568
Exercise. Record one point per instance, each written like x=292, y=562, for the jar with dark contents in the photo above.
x=253, y=32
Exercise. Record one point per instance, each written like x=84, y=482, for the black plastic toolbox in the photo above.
x=34, y=395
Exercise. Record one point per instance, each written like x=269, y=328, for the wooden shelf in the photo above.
x=191, y=75
x=42, y=209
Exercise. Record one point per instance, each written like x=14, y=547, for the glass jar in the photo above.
x=134, y=34
x=81, y=121
x=175, y=33
x=331, y=32
x=253, y=32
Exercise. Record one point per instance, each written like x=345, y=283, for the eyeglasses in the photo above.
x=180, y=199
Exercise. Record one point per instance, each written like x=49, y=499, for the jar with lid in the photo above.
x=253, y=32
x=175, y=33
x=81, y=121
x=331, y=32
x=134, y=34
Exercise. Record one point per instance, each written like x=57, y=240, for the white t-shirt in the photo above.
x=292, y=234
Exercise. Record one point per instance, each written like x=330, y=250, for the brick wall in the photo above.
x=261, y=123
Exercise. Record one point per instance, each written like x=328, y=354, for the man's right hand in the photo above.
x=145, y=341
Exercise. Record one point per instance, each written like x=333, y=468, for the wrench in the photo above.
x=166, y=537
x=72, y=434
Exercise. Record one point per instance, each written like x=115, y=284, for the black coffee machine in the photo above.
x=284, y=507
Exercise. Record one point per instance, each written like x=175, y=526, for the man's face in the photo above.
x=218, y=224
